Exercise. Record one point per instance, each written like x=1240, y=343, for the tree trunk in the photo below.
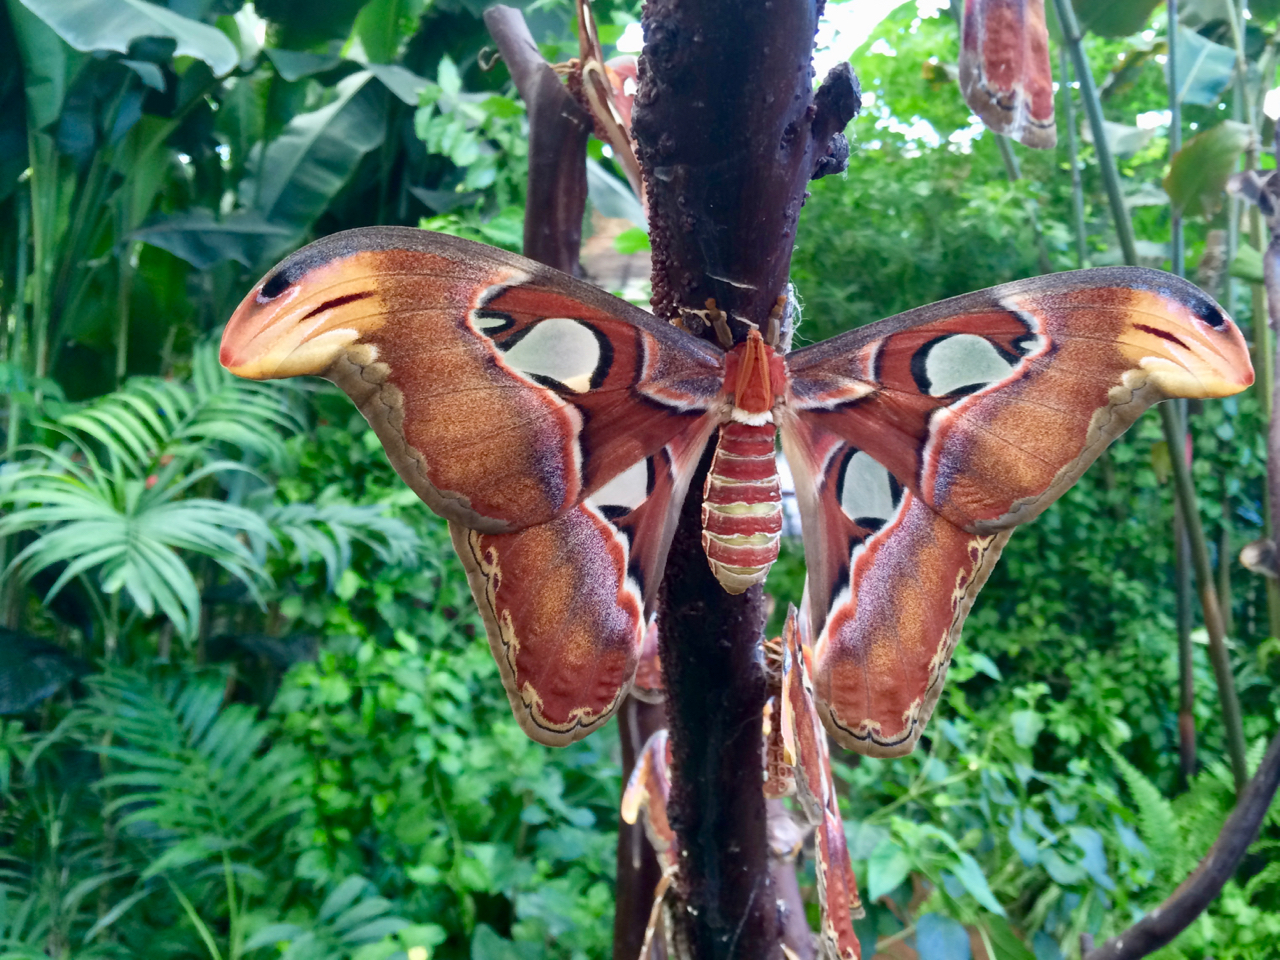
x=729, y=132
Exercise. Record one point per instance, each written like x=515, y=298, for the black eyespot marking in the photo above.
x=614, y=512
x=1162, y=334
x=1208, y=311
x=919, y=361
x=605, y=363
x=339, y=302
x=277, y=284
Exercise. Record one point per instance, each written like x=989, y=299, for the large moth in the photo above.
x=1004, y=69
x=558, y=428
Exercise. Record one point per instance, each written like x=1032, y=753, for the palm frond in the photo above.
x=131, y=534
x=195, y=778
x=351, y=916
x=149, y=420
x=328, y=531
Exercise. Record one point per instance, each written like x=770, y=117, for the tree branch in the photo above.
x=1195, y=893
x=558, y=129
x=724, y=122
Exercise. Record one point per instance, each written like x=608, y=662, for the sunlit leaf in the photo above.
x=1199, y=172
x=1204, y=68
x=116, y=24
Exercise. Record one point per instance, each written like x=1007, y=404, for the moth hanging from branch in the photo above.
x=558, y=428
x=1004, y=69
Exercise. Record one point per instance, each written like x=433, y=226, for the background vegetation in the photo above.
x=244, y=709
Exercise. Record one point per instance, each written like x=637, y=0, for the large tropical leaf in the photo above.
x=199, y=238
x=115, y=24
x=1114, y=18
x=303, y=169
x=1205, y=68
x=1198, y=175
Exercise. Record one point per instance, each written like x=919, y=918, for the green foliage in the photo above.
x=347, y=780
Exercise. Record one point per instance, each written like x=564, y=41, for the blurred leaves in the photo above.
x=1114, y=18
x=1199, y=173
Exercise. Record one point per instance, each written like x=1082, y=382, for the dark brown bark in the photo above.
x=728, y=135
x=715, y=695
x=1195, y=893
x=724, y=122
x=558, y=129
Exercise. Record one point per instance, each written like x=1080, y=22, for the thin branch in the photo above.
x=558, y=129
x=1195, y=893
x=1093, y=107
x=1184, y=489
x=1233, y=725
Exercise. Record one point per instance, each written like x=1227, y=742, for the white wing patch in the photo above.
x=627, y=490
x=560, y=349
x=868, y=495
x=963, y=360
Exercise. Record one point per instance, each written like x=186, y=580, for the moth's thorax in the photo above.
x=755, y=375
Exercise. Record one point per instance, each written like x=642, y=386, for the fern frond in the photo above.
x=352, y=915
x=191, y=774
x=1157, y=823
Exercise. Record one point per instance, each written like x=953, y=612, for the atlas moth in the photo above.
x=1004, y=69
x=558, y=428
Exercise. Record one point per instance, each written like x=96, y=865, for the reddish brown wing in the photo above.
x=900, y=580
x=648, y=791
x=504, y=392
x=648, y=684
x=1004, y=69
x=917, y=442
x=815, y=789
x=565, y=603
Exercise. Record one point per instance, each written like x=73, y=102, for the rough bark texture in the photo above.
x=715, y=694
x=724, y=121
x=728, y=136
x=558, y=129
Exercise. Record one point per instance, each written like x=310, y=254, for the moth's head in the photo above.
x=1185, y=342
x=303, y=315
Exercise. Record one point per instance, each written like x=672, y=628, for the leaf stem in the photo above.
x=1093, y=108
x=1218, y=654
x=1174, y=437
x=205, y=934
x=1073, y=158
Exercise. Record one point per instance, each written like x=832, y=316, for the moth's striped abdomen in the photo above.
x=742, y=506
